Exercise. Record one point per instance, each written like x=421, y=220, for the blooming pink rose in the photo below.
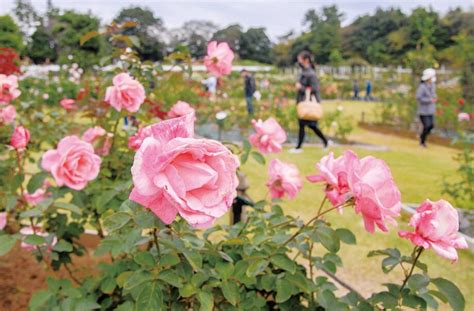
x=94, y=133
x=8, y=88
x=284, y=178
x=26, y=231
x=269, y=136
x=7, y=114
x=174, y=173
x=39, y=195
x=20, y=138
x=375, y=193
x=180, y=109
x=3, y=220
x=333, y=172
x=135, y=141
x=68, y=104
x=463, y=116
x=436, y=226
x=126, y=93
x=73, y=163
x=219, y=58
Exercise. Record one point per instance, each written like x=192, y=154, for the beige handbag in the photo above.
x=309, y=109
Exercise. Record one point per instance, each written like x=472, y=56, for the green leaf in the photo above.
x=70, y=207
x=36, y=181
x=389, y=263
x=418, y=281
x=87, y=304
x=63, y=246
x=206, y=300
x=231, y=292
x=284, y=290
x=117, y=221
x=88, y=36
x=346, y=236
x=194, y=259
x=389, y=301
x=108, y=285
x=150, y=298
x=257, y=267
x=34, y=239
x=6, y=243
x=247, y=146
x=135, y=41
x=145, y=259
x=187, y=290
x=452, y=293
x=328, y=238
x=169, y=260
x=283, y=262
x=171, y=277
x=258, y=157
x=39, y=299
x=225, y=269
x=138, y=277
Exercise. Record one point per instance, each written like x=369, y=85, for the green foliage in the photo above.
x=10, y=35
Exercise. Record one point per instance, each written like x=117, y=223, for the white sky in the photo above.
x=277, y=16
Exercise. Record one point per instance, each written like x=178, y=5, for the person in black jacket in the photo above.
x=249, y=89
x=307, y=79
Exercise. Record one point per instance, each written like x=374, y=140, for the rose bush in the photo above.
x=158, y=181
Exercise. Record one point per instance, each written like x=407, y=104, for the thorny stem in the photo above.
x=115, y=132
x=311, y=272
x=155, y=240
x=415, y=260
x=342, y=283
x=71, y=275
x=20, y=171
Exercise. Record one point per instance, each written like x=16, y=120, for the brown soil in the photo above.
x=21, y=275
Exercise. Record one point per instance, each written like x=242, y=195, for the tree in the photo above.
x=194, y=34
x=26, y=16
x=42, y=46
x=67, y=32
x=282, y=50
x=255, y=45
x=147, y=31
x=10, y=35
x=231, y=34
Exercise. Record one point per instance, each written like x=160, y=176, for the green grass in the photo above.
x=418, y=173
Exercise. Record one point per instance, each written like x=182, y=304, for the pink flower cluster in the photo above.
x=68, y=104
x=20, y=138
x=367, y=181
x=73, y=163
x=125, y=93
x=135, y=141
x=7, y=114
x=26, y=231
x=8, y=89
x=436, y=226
x=174, y=173
x=269, y=136
x=284, y=179
x=218, y=60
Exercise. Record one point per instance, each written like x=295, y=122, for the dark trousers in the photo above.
x=312, y=125
x=428, y=125
x=249, y=101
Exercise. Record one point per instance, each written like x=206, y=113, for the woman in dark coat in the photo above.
x=307, y=79
x=426, y=98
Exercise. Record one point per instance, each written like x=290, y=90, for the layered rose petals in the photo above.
x=20, y=138
x=125, y=93
x=436, y=226
x=284, y=178
x=180, y=109
x=269, y=136
x=218, y=60
x=8, y=89
x=7, y=114
x=174, y=173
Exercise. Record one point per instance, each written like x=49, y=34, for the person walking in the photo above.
x=355, y=89
x=426, y=98
x=249, y=89
x=368, y=90
x=307, y=79
x=211, y=86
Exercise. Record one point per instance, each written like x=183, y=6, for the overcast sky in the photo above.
x=277, y=16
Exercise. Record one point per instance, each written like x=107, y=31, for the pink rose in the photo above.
x=135, y=141
x=20, y=138
x=73, y=163
x=375, y=193
x=3, y=220
x=180, y=109
x=463, y=116
x=68, y=104
x=284, y=178
x=7, y=114
x=218, y=60
x=174, y=173
x=126, y=93
x=436, y=226
x=99, y=138
x=8, y=88
x=39, y=195
x=333, y=172
x=269, y=136
x=26, y=231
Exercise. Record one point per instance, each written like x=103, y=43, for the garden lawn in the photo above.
x=418, y=173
